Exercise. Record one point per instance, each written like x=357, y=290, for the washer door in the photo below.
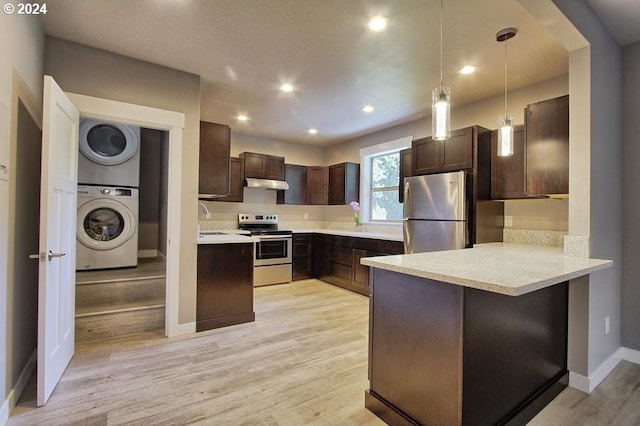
x=105, y=224
x=108, y=144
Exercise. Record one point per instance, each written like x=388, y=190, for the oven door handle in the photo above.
x=274, y=237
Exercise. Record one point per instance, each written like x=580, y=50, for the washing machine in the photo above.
x=107, y=227
x=109, y=154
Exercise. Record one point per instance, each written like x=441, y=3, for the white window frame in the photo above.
x=365, y=172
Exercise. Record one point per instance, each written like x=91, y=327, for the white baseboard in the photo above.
x=18, y=387
x=187, y=328
x=588, y=384
x=631, y=355
x=148, y=253
x=4, y=412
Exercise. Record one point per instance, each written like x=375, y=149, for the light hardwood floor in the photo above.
x=303, y=362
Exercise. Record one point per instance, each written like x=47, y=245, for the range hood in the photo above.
x=266, y=183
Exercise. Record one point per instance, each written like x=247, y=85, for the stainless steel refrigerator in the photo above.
x=441, y=213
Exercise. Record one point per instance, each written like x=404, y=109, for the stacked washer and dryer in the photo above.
x=108, y=206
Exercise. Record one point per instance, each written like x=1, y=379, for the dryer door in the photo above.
x=108, y=144
x=104, y=224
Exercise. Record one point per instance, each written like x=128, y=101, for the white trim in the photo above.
x=4, y=412
x=578, y=381
x=588, y=384
x=159, y=119
x=148, y=253
x=630, y=355
x=187, y=328
x=139, y=115
x=365, y=171
x=21, y=382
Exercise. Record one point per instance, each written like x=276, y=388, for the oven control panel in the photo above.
x=265, y=219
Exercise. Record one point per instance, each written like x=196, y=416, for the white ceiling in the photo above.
x=244, y=50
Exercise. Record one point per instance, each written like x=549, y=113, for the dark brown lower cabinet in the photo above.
x=443, y=354
x=224, y=285
x=301, y=257
x=336, y=259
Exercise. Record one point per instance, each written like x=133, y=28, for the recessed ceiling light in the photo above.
x=377, y=23
x=242, y=117
x=286, y=87
x=367, y=108
x=313, y=131
x=467, y=69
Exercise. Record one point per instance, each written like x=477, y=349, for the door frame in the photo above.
x=159, y=119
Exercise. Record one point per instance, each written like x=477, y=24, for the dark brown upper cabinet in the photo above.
x=215, y=149
x=456, y=153
x=344, y=183
x=236, y=187
x=296, y=177
x=539, y=166
x=317, y=185
x=262, y=166
x=405, y=171
x=547, y=146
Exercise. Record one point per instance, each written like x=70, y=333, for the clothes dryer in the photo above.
x=109, y=154
x=107, y=227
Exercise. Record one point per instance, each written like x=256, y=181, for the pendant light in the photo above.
x=505, y=122
x=441, y=100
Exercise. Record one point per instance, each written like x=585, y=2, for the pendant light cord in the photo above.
x=505, y=78
x=441, y=25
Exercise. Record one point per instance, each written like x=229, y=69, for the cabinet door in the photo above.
x=360, y=272
x=215, y=148
x=547, y=146
x=425, y=156
x=508, y=179
x=254, y=165
x=457, y=151
x=317, y=185
x=405, y=171
x=274, y=167
x=296, y=177
x=344, y=183
x=236, y=193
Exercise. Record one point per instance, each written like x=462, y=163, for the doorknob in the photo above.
x=42, y=256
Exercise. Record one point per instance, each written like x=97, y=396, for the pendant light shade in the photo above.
x=441, y=100
x=505, y=121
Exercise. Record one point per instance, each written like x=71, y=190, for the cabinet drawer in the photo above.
x=341, y=255
x=340, y=241
x=367, y=244
x=392, y=247
x=301, y=238
x=322, y=239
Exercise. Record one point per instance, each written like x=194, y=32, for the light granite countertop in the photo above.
x=344, y=233
x=509, y=269
x=223, y=238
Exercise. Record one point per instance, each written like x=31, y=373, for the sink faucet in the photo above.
x=207, y=215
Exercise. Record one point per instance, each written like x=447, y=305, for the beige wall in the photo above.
x=94, y=72
x=294, y=153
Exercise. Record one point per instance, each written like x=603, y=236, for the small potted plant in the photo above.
x=356, y=218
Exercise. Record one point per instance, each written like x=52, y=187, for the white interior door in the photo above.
x=58, y=198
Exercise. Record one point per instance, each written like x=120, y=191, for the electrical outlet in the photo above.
x=207, y=216
x=508, y=221
x=607, y=325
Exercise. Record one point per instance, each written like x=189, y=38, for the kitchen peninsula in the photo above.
x=469, y=337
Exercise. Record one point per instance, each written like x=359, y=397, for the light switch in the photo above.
x=508, y=221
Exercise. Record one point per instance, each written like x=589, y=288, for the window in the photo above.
x=380, y=181
x=385, y=176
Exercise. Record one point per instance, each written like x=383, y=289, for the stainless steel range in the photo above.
x=272, y=258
